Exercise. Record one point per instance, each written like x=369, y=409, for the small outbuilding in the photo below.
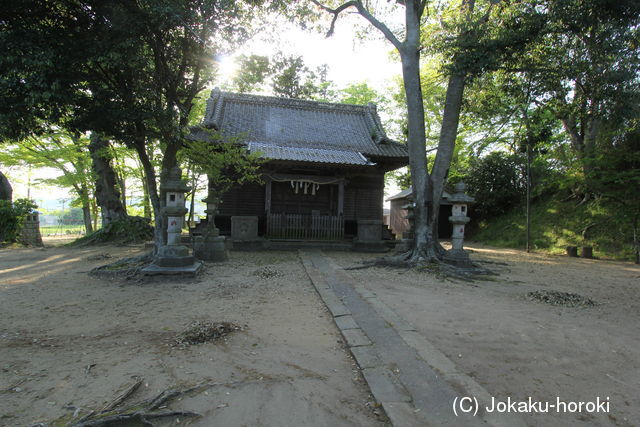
x=398, y=222
x=324, y=174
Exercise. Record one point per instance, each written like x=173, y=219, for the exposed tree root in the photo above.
x=133, y=229
x=122, y=397
x=143, y=412
x=125, y=267
x=427, y=261
x=128, y=419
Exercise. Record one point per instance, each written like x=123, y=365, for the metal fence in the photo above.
x=305, y=227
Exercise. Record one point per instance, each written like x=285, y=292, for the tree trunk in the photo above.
x=94, y=213
x=86, y=209
x=636, y=239
x=446, y=143
x=583, y=143
x=146, y=202
x=416, y=140
x=122, y=182
x=152, y=190
x=192, y=204
x=6, y=192
x=107, y=194
x=86, y=216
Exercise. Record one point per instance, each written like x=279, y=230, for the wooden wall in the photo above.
x=363, y=197
x=243, y=200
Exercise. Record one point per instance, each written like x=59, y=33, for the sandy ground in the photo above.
x=517, y=348
x=70, y=343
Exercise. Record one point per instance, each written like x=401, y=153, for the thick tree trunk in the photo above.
x=424, y=248
x=583, y=142
x=446, y=143
x=6, y=192
x=106, y=190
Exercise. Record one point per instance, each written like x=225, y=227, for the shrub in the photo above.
x=496, y=183
x=12, y=216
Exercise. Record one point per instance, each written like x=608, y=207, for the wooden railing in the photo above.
x=305, y=227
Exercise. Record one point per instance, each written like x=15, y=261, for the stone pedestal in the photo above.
x=244, y=234
x=244, y=228
x=369, y=236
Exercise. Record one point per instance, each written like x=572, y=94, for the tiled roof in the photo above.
x=409, y=191
x=301, y=127
x=316, y=155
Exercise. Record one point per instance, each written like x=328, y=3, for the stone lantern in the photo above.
x=211, y=246
x=460, y=202
x=174, y=257
x=408, y=236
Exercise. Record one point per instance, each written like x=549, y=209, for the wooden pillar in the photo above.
x=267, y=196
x=340, y=198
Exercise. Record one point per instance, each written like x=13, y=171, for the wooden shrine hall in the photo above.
x=324, y=174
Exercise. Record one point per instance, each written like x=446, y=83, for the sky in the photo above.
x=349, y=60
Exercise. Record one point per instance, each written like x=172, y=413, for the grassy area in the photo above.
x=556, y=224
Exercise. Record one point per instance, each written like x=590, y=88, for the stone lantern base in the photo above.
x=210, y=247
x=173, y=259
x=458, y=257
x=188, y=270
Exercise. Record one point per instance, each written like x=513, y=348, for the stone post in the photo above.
x=460, y=201
x=30, y=233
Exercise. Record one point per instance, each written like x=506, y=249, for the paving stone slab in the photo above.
x=390, y=316
x=366, y=357
x=346, y=322
x=336, y=308
x=364, y=292
x=403, y=414
x=355, y=337
x=384, y=386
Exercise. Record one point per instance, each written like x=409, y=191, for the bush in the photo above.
x=132, y=229
x=496, y=184
x=12, y=216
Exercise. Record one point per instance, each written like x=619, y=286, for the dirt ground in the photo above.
x=71, y=343
x=518, y=348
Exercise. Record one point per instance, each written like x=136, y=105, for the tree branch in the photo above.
x=365, y=14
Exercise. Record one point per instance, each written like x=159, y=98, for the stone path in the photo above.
x=396, y=361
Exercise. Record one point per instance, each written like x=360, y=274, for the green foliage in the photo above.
x=558, y=222
x=361, y=94
x=254, y=70
x=225, y=162
x=60, y=150
x=615, y=175
x=496, y=183
x=132, y=229
x=12, y=216
x=282, y=75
